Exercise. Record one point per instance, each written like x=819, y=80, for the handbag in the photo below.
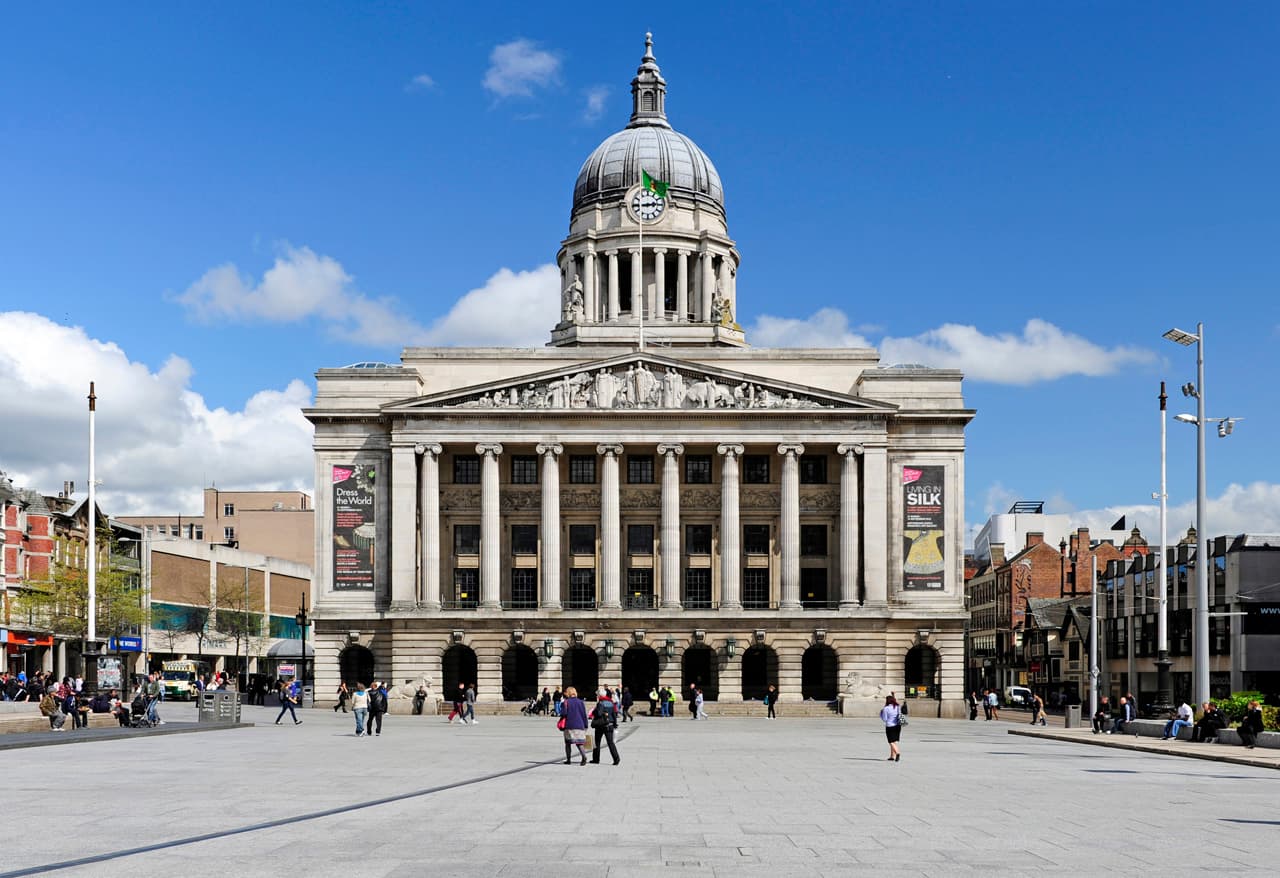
x=902, y=717
x=560, y=724
x=589, y=743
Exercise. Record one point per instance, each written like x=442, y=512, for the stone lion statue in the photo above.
x=857, y=687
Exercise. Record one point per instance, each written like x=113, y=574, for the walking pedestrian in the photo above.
x=698, y=711
x=891, y=716
x=604, y=719
x=973, y=706
x=574, y=725
x=627, y=703
x=556, y=698
x=993, y=704
x=459, y=698
x=1037, y=710
x=154, y=691
x=377, y=707
x=360, y=707
x=470, y=696
x=288, y=700
x=771, y=701
x=343, y=695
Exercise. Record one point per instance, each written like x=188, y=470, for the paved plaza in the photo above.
x=736, y=796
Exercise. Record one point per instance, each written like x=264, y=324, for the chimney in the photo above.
x=1034, y=538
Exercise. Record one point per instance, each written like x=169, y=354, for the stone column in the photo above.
x=790, y=525
x=849, y=525
x=730, y=553
x=612, y=313
x=659, y=311
x=875, y=526
x=670, y=525
x=637, y=283
x=490, y=528
x=429, y=512
x=708, y=288
x=589, y=313
x=550, y=561
x=682, y=285
x=610, y=530
x=404, y=524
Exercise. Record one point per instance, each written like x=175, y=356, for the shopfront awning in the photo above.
x=287, y=648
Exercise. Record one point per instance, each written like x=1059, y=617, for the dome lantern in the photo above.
x=648, y=91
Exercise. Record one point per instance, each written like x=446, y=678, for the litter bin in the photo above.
x=308, y=696
x=1073, y=716
x=222, y=707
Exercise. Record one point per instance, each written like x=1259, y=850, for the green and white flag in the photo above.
x=657, y=187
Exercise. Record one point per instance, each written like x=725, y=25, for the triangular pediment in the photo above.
x=639, y=381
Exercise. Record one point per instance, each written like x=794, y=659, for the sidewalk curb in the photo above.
x=48, y=740
x=1124, y=743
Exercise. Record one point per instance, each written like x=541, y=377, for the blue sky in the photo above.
x=203, y=204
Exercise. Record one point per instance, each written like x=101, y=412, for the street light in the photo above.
x=301, y=619
x=1164, y=685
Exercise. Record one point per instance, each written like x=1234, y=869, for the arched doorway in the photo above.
x=581, y=670
x=458, y=666
x=920, y=672
x=759, y=671
x=640, y=671
x=698, y=668
x=519, y=673
x=818, y=673
x=355, y=664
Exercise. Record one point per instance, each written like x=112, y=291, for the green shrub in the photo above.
x=1234, y=708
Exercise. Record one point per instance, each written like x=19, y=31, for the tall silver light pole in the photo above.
x=1094, y=671
x=1200, y=633
x=1164, y=687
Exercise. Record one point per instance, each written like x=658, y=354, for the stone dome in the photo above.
x=650, y=144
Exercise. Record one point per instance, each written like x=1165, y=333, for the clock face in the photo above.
x=647, y=206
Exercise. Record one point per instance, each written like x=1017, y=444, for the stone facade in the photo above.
x=647, y=500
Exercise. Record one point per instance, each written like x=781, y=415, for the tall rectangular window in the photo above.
x=524, y=469
x=640, y=469
x=697, y=539
x=197, y=532
x=582, y=539
x=639, y=594
x=697, y=469
x=582, y=469
x=524, y=539
x=466, y=587
x=755, y=539
x=755, y=588
x=466, y=539
x=229, y=534
x=582, y=589
x=639, y=539
x=813, y=469
x=755, y=469
x=524, y=588
x=697, y=588
x=228, y=509
x=813, y=587
x=466, y=469
x=813, y=540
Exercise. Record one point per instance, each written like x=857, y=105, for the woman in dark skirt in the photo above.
x=891, y=716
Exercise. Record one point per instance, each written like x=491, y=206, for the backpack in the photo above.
x=604, y=715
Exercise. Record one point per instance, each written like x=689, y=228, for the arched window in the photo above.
x=647, y=102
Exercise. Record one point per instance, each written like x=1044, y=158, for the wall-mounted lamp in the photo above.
x=731, y=646
x=819, y=635
x=517, y=636
x=608, y=648
x=760, y=636
x=457, y=636
x=548, y=647
x=671, y=647
x=638, y=636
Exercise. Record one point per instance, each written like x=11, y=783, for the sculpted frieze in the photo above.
x=699, y=498
x=640, y=498
x=460, y=498
x=520, y=500
x=820, y=500
x=759, y=498
x=579, y=498
x=636, y=387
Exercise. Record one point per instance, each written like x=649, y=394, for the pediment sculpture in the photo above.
x=637, y=387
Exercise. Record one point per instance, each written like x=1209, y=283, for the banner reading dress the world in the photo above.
x=354, y=527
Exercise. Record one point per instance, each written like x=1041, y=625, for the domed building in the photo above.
x=647, y=500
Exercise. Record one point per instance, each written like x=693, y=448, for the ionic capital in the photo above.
x=846, y=450
x=428, y=448
x=486, y=448
x=615, y=450
x=729, y=450
x=551, y=449
x=671, y=448
x=789, y=449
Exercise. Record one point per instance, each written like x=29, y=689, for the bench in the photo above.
x=1154, y=728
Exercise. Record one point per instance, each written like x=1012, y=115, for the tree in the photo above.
x=239, y=616
x=61, y=603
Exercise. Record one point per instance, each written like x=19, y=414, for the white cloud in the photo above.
x=300, y=285
x=157, y=440
x=828, y=328
x=1042, y=352
x=1251, y=508
x=518, y=67
x=421, y=82
x=595, y=98
x=516, y=308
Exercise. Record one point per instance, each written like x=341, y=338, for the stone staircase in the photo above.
x=713, y=708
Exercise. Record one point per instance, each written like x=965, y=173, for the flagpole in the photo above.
x=640, y=220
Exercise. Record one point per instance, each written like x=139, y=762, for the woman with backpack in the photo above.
x=604, y=719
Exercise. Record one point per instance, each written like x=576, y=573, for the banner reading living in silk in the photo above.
x=924, y=527
x=353, y=527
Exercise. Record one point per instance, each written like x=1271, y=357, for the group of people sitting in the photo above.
x=1212, y=721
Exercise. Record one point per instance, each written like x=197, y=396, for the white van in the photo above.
x=1017, y=695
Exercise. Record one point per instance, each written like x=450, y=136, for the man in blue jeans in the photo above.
x=289, y=697
x=1123, y=718
x=1184, y=718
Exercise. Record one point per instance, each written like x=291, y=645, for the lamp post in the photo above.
x=1200, y=634
x=1164, y=687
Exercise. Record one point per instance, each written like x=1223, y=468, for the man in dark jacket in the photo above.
x=1124, y=717
x=377, y=707
x=1210, y=723
x=1251, y=726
